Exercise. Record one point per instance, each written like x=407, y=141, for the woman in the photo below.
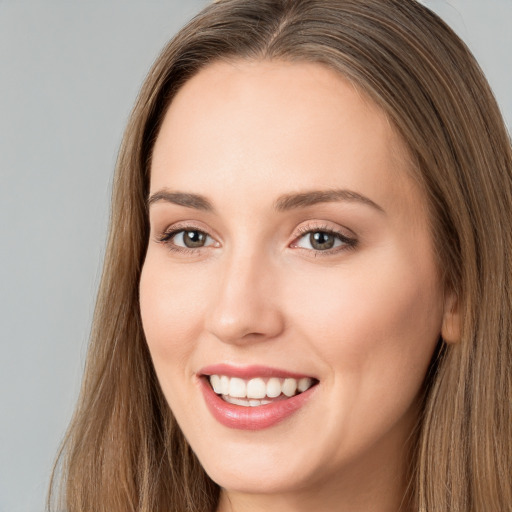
x=307, y=289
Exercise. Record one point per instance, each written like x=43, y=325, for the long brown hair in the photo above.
x=124, y=452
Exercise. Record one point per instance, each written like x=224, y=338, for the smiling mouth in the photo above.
x=258, y=391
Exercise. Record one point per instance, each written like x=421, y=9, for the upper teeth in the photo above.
x=258, y=388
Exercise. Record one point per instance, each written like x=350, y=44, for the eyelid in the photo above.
x=322, y=225
x=185, y=225
x=349, y=240
x=166, y=236
x=325, y=226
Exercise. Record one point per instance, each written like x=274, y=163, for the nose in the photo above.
x=245, y=308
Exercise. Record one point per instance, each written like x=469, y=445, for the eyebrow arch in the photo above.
x=305, y=199
x=188, y=200
x=283, y=203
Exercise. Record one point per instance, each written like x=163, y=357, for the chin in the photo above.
x=256, y=467
x=260, y=478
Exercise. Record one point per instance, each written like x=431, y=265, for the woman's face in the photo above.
x=289, y=247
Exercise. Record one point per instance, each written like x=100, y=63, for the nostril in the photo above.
x=246, y=329
x=244, y=309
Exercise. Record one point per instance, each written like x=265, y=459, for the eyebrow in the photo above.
x=284, y=203
x=181, y=199
x=305, y=199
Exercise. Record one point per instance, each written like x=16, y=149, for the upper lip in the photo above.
x=250, y=371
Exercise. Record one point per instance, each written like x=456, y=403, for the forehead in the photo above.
x=248, y=124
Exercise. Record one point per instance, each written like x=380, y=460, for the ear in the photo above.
x=450, y=329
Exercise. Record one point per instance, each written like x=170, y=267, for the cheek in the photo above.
x=169, y=303
x=376, y=322
x=376, y=332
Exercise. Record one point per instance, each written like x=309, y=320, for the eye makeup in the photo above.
x=186, y=238
x=319, y=239
x=323, y=240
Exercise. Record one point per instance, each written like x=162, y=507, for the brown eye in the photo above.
x=192, y=239
x=187, y=239
x=321, y=241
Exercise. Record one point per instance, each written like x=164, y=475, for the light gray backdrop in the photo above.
x=69, y=72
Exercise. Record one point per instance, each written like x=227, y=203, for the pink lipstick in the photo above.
x=253, y=397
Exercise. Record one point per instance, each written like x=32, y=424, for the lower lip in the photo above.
x=252, y=418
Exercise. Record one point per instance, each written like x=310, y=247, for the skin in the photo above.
x=363, y=320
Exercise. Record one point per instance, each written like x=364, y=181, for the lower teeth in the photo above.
x=245, y=402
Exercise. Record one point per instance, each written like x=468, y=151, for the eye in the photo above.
x=323, y=240
x=186, y=239
x=191, y=239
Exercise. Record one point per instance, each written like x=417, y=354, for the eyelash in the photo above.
x=348, y=243
x=166, y=239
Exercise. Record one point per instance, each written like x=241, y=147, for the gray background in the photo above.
x=69, y=73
